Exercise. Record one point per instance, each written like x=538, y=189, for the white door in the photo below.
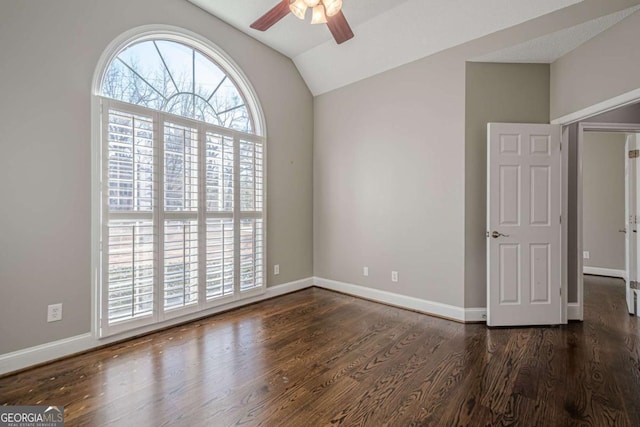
x=523, y=224
x=630, y=213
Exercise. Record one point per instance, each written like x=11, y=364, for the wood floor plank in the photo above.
x=316, y=357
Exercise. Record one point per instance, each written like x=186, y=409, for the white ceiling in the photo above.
x=291, y=36
x=549, y=48
x=390, y=33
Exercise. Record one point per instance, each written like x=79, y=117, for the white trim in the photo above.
x=447, y=311
x=579, y=230
x=41, y=353
x=564, y=227
x=22, y=359
x=610, y=272
x=599, y=108
x=574, y=311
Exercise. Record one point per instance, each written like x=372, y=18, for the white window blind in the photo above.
x=182, y=216
x=251, y=227
x=220, y=194
x=129, y=170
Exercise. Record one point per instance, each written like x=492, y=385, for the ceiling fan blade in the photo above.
x=267, y=20
x=339, y=27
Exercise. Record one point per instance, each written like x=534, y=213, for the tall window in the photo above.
x=182, y=188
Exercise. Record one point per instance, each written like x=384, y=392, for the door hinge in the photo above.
x=634, y=154
x=560, y=219
x=560, y=291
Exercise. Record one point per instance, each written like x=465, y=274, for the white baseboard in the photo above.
x=31, y=356
x=574, y=311
x=611, y=272
x=287, y=288
x=447, y=311
x=21, y=359
x=25, y=358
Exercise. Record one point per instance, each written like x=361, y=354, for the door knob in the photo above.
x=496, y=234
x=623, y=230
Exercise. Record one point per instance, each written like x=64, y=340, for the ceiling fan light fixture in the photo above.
x=332, y=7
x=324, y=11
x=318, y=16
x=298, y=8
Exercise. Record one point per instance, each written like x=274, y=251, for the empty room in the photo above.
x=319, y=212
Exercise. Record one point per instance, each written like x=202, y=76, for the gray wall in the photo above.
x=389, y=181
x=603, y=165
x=49, y=53
x=600, y=69
x=510, y=93
x=390, y=171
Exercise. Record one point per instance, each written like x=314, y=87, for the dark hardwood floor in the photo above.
x=321, y=358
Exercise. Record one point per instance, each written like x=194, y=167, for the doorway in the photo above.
x=605, y=241
x=608, y=178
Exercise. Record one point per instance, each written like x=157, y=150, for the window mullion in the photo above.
x=159, y=216
x=133, y=175
x=237, y=226
x=133, y=269
x=193, y=83
x=202, y=219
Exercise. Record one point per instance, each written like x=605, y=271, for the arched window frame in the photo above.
x=234, y=72
x=176, y=34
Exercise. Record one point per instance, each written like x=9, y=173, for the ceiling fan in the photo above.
x=324, y=12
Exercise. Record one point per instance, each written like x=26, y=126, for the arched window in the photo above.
x=182, y=194
x=175, y=78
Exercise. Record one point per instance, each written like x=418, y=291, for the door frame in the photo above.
x=574, y=310
x=582, y=128
x=630, y=205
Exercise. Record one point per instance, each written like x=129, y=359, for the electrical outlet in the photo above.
x=276, y=269
x=54, y=312
x=586, y=255
x=394, y=276
x=365, y=271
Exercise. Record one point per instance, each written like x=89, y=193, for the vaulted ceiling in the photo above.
x=390, y=33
